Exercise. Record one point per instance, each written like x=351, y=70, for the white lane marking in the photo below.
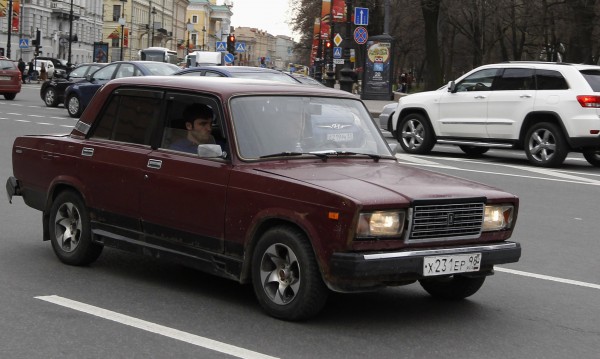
x=35, y=115
x=45, y=123
x=69, y=126
x=22, y=121
x=12, y=113
x=155, y=328
x=412, y=159
x=58, y=118
x=547, y=277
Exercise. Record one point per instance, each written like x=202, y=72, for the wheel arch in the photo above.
x=413, y=110
x=534, y=118
x=57, y=187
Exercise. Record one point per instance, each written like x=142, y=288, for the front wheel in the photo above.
x=415, y=134
x=285, y=275
x=593, y=157
x=70, y=231
x=74, y=106
x=545, y=145
x=474, y=150
x=50, y=97
x=452, y=288
x=10, y=96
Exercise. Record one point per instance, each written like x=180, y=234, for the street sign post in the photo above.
x=24, y=43
x=221, y=46
x=361, y=16
x=361, y=35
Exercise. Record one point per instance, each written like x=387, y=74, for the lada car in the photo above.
x=547, y=109
x=298, y=194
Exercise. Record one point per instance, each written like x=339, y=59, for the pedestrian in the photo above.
x=30, y=71
x=403, y=85
x=21, y=66
x=43, y=73
x=409, y=80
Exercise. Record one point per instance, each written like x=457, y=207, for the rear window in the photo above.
x=7, y=65
x=593, y=78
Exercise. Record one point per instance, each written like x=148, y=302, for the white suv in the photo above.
x=547, y=109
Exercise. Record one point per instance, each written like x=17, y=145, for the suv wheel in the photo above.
x=415, y=134
x=285, y=275
x=545, y=145
x=74, y=106
x=50, y=97
x=593, y=157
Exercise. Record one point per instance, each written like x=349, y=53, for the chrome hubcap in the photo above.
x=73, y=105
x=412, y=134
x=542, y=145
x=280, y=274
x=67, y=227
x=49, y=97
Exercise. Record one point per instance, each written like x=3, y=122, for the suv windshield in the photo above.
x=593, y=78
x=269, y=125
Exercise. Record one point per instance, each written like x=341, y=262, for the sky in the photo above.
x=267, y=15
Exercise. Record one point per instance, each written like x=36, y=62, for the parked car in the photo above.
x=300, y=194
x=38, y=68
x=547, y=109
x=386, y=115
x=60, y=66
x=10, y=79
x=247, y=72
x=78, y=95
x=52, y=91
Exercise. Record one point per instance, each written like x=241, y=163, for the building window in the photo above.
x=116, y=12
x=194, y=19
x=194, y=39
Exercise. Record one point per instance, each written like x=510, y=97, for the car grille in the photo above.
x=446, y=221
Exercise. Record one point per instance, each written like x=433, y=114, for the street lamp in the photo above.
x=122, y=22
x=190, y=28
x=70, y=36
x=203, y=36
x=153, y=15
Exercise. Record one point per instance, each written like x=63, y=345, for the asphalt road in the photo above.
x=125, y=306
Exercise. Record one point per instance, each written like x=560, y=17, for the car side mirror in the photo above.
x=89, y=77
x=451, y=87
x=210, y=151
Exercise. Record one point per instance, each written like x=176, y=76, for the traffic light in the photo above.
x=328, y=44
x=231, y=43
x=37, y=42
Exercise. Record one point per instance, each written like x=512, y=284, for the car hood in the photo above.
x=382, y=182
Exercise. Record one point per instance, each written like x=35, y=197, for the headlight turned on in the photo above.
x=498, y=217
x=380, y=224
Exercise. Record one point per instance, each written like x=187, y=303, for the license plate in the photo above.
x=458, y=263
x=4, y=77
x=340, y=137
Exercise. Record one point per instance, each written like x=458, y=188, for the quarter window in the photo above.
x=550, y=80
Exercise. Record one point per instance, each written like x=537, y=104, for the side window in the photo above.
x=209, y=128
x=515, y=79
x=479, y=81
x=105, y=73
x=213, y=74
x=129, y=118
x=125, y=70
x=550, y=80
x=192, y=73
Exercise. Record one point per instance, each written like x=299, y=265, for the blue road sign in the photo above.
x=221, y=46
x=337, y=52
x=360, y=35
x=240, y=46
x=361, y=16
x=24, y=43
x=229, y=58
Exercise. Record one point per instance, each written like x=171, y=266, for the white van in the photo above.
x=204, y=58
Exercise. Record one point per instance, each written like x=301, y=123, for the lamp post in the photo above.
x=122, y=22
x=203, y=36
x=153, y=15
x=190, y=28
x=9, y=17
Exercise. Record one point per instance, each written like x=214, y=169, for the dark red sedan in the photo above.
x=297, y=193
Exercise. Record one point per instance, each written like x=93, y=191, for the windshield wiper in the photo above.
x=375, y=157
x=322, y=156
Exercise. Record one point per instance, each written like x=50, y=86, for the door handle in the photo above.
x=525, y=96
x=154, y=164
x=479, y=97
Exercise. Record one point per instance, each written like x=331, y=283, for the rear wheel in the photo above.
x=474, y=150
x=10, y=96
x=452, y=288
x=545, y=145
x=50, y=97
x=415, y=134
x=593, y=157
x=70, y=232
x=74, y=106
x=285, y=275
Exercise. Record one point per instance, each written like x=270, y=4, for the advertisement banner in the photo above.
x=100, y=52
x=338, y=11
x=377, y=76
x=325, y=19
x=315, y=42
x=16, y=15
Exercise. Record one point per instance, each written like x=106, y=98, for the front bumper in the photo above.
x=379, y=268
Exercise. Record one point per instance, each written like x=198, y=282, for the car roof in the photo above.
x=226, y=87
x=232, y=69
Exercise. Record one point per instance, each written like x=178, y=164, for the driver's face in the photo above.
x=200, y=130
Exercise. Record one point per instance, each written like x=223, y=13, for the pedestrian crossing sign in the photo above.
x=24, y=43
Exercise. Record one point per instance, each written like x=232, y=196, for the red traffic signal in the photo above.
x=231, y=39
x=328, y=44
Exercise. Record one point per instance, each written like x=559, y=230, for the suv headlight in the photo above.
x=498, y=217
x=381, y=224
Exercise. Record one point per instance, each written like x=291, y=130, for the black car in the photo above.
x=52, y=91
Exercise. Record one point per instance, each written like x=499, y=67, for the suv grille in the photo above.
x=446, y=221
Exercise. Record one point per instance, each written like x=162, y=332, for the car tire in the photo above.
x=74, y=106
x=545, y=145
x=452, y=288
x=51, y=97
x=474, y=150
x=415, y=135
x=285, y=275
x=10, y=96
x=70, y=232
x=593, y=157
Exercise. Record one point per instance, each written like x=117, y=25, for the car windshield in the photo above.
x=271, y=126
x=270, y=76
x=161, y=69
